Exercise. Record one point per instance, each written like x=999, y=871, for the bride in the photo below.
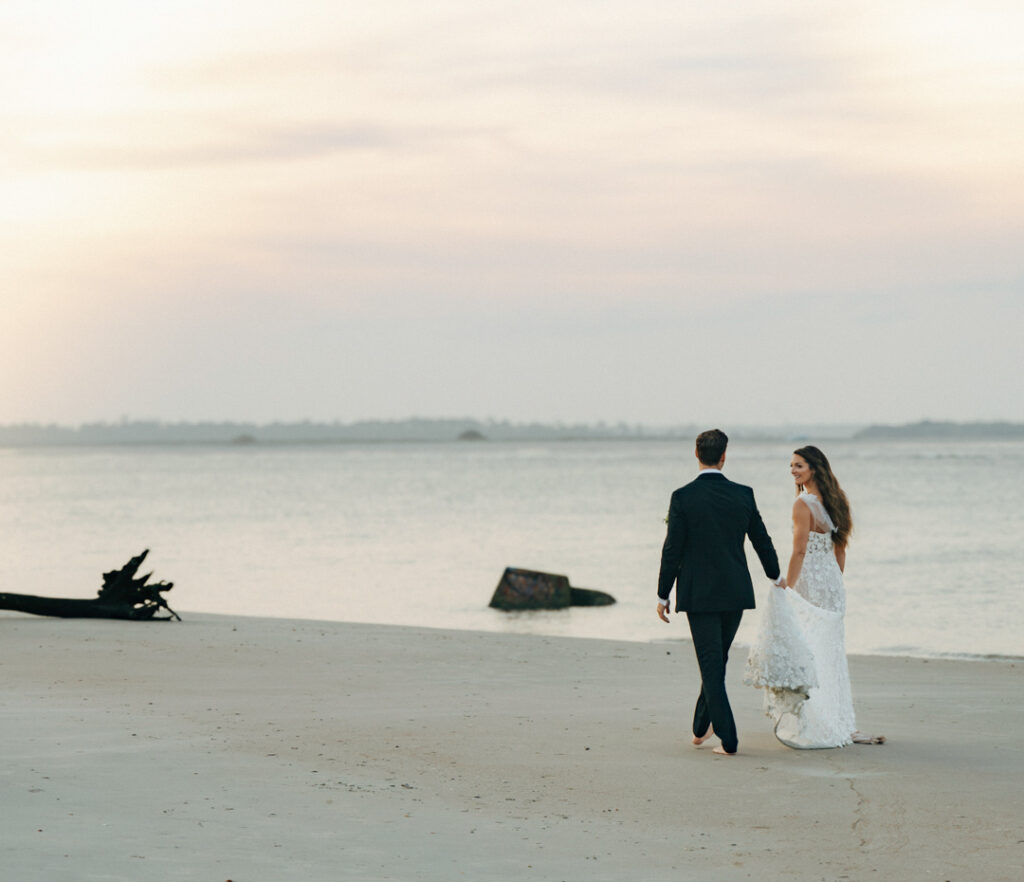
x=799, y=657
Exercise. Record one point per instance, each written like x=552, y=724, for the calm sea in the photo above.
x=419, y=534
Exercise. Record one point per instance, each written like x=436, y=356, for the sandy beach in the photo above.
x=249, y=749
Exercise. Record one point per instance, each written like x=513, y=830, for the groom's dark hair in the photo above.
x=711, y=446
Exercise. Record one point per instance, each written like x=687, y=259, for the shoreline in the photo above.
x=252, y=748
x=738, y=645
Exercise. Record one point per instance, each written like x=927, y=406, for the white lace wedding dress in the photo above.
x=799, y=656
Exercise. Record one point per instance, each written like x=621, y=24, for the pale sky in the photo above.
x=646, y=211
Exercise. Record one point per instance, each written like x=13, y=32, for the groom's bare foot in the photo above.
x=721, y=751
x=700, y=739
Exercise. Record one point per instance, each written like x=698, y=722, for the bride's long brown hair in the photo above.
x=832, y=495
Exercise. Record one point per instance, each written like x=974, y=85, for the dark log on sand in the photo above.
x=123, y=596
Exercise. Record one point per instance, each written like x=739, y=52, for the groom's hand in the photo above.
x=662, y=609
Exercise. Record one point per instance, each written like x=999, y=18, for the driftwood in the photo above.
x=123, y=596
x=529, y=589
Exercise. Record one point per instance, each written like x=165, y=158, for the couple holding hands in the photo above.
x=799, y=656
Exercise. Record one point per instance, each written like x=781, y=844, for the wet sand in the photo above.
x=261, y=749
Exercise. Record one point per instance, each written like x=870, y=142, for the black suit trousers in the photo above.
x=712, y=636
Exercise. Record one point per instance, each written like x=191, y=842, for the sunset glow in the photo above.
x=380, y=209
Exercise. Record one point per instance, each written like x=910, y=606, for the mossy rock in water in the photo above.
x=529, y=589
x=590, y=597
x=472, y=435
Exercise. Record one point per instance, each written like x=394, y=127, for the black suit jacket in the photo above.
x=703, y=554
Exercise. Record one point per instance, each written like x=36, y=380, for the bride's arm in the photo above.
x=801, y=529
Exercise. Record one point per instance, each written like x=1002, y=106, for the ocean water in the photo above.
x=419, y=534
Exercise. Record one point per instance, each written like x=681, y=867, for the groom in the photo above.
x=703, y=555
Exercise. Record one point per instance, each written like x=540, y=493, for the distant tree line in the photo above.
x=309, y=432
x=423, y=429
x=936, y=431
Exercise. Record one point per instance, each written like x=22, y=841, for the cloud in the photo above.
x=147, y=143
